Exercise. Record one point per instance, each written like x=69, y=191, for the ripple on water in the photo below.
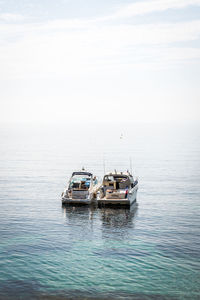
x=34, y=290
x=53, y=252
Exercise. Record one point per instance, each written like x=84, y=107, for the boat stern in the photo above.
x=76, y=197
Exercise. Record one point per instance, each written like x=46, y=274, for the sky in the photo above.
x=108, y=60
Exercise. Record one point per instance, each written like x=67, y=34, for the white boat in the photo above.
x=118, y=188
x=82, y=188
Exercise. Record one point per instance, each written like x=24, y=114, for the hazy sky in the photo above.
x=103, y=60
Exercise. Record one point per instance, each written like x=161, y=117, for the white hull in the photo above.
x=90, y=198
x=80, y=193
x=131, y=198
x=75, y=201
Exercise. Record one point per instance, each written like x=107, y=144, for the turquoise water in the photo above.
x=52, y=252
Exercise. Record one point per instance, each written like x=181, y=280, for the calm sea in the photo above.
x=52, y=252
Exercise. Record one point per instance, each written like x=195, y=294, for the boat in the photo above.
x=118, y=188
x=82, y=188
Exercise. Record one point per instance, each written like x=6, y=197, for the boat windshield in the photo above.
x=108, y=178
x=80, y=178
x=77, y=180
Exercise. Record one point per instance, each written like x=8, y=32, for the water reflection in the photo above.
x=107, y=217
x=79, y=212
x=117, y=223
x=118, y=217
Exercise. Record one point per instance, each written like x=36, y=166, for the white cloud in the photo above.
x=88, y=58
x=10, y=17
x=146, y=7
x=47, y=53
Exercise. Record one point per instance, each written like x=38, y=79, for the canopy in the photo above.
x=81, y=173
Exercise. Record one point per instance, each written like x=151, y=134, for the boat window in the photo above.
x=75, y=185
x=77, y=181
x=109, y=178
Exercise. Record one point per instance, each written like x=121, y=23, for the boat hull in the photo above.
x=131, y=198
x=75, y=201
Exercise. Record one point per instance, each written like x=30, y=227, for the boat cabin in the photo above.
x=117, y=181
x=80, y=181
x=116, y=185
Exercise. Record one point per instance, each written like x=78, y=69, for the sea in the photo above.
x=50, y=251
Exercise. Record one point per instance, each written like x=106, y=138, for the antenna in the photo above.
x=104, y=168
x=130, y=161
